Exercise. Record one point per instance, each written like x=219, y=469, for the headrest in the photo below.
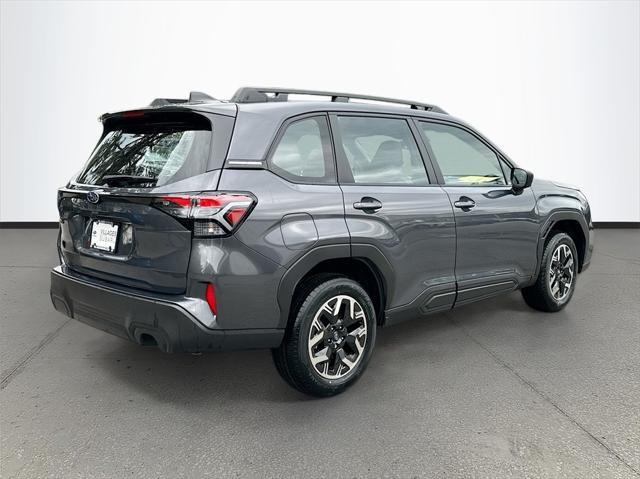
x=389, y=154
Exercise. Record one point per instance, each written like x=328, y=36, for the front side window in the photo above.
x=381, y=151
x=303, y=154
x=463, y=158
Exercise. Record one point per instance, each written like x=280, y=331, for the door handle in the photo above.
x=368, y=204
x=465, y=203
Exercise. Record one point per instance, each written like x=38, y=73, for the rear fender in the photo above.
x=317, y=255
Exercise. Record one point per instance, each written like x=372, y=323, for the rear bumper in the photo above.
x=146, y=318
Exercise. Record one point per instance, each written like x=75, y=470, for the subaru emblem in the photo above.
x=93, y=197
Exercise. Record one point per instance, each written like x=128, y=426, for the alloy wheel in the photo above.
x=337, y=337
x=561, y=272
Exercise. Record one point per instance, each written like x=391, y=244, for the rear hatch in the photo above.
x=115, y=224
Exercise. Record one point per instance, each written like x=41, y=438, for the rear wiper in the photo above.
x=119, y=180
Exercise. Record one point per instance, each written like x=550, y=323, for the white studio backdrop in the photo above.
x=555, y=84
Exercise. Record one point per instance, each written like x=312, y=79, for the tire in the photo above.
x=548, y=293
x=334, y=322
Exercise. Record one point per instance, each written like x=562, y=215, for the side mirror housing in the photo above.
x=521, y=179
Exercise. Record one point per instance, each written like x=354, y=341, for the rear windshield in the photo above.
x=145, y=154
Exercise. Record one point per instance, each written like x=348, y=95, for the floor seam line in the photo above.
x=22, y=364
x=620, y=258
x=544, y=396
x=24, y=266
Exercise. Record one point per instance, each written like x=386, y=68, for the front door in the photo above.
x=391, y=205
x=497, y=228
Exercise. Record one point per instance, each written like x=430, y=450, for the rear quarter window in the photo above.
x=303, y=152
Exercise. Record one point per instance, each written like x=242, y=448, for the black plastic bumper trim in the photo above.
x=135, y=317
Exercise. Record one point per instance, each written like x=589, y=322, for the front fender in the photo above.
x=556, y=203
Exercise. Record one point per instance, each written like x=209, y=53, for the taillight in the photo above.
x=210, y=214
x=210, y=295
x=179, y=206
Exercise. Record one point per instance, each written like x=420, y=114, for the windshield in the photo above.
x=148, y=155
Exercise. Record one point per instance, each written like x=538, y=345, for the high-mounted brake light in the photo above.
x=132, y=113
x=212, y=214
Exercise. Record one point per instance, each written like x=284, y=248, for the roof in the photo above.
x=258, y=123
x=261, y=111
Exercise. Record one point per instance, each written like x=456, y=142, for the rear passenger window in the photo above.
x=303, y=154
x=381, y=151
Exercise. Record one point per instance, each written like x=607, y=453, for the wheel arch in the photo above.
x=364, y=264
x=572, y=223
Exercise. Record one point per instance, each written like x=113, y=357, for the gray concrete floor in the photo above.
x=488, y=390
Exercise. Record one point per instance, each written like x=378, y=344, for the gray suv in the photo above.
x=303, y=226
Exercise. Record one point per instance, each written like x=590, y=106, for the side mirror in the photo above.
x=521, y=179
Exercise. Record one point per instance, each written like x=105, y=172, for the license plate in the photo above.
x=104, y=236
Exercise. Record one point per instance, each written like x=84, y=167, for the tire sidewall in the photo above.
x=305, y=317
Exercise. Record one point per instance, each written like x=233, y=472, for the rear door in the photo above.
x=299, y=201
x=496, y=227
x=390, y=204
x=114, y=223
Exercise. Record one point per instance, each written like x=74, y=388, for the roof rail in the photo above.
x=262, y=95
x=167, y=101
x=194, y=97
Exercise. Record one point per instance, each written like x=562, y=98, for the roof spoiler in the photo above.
x=264, y=95
x=194, y=97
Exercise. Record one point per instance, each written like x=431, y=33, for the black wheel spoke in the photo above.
x=343, y=310
x=334, y=361
x=354, y=318
x=345, y=360
x=350, y=342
